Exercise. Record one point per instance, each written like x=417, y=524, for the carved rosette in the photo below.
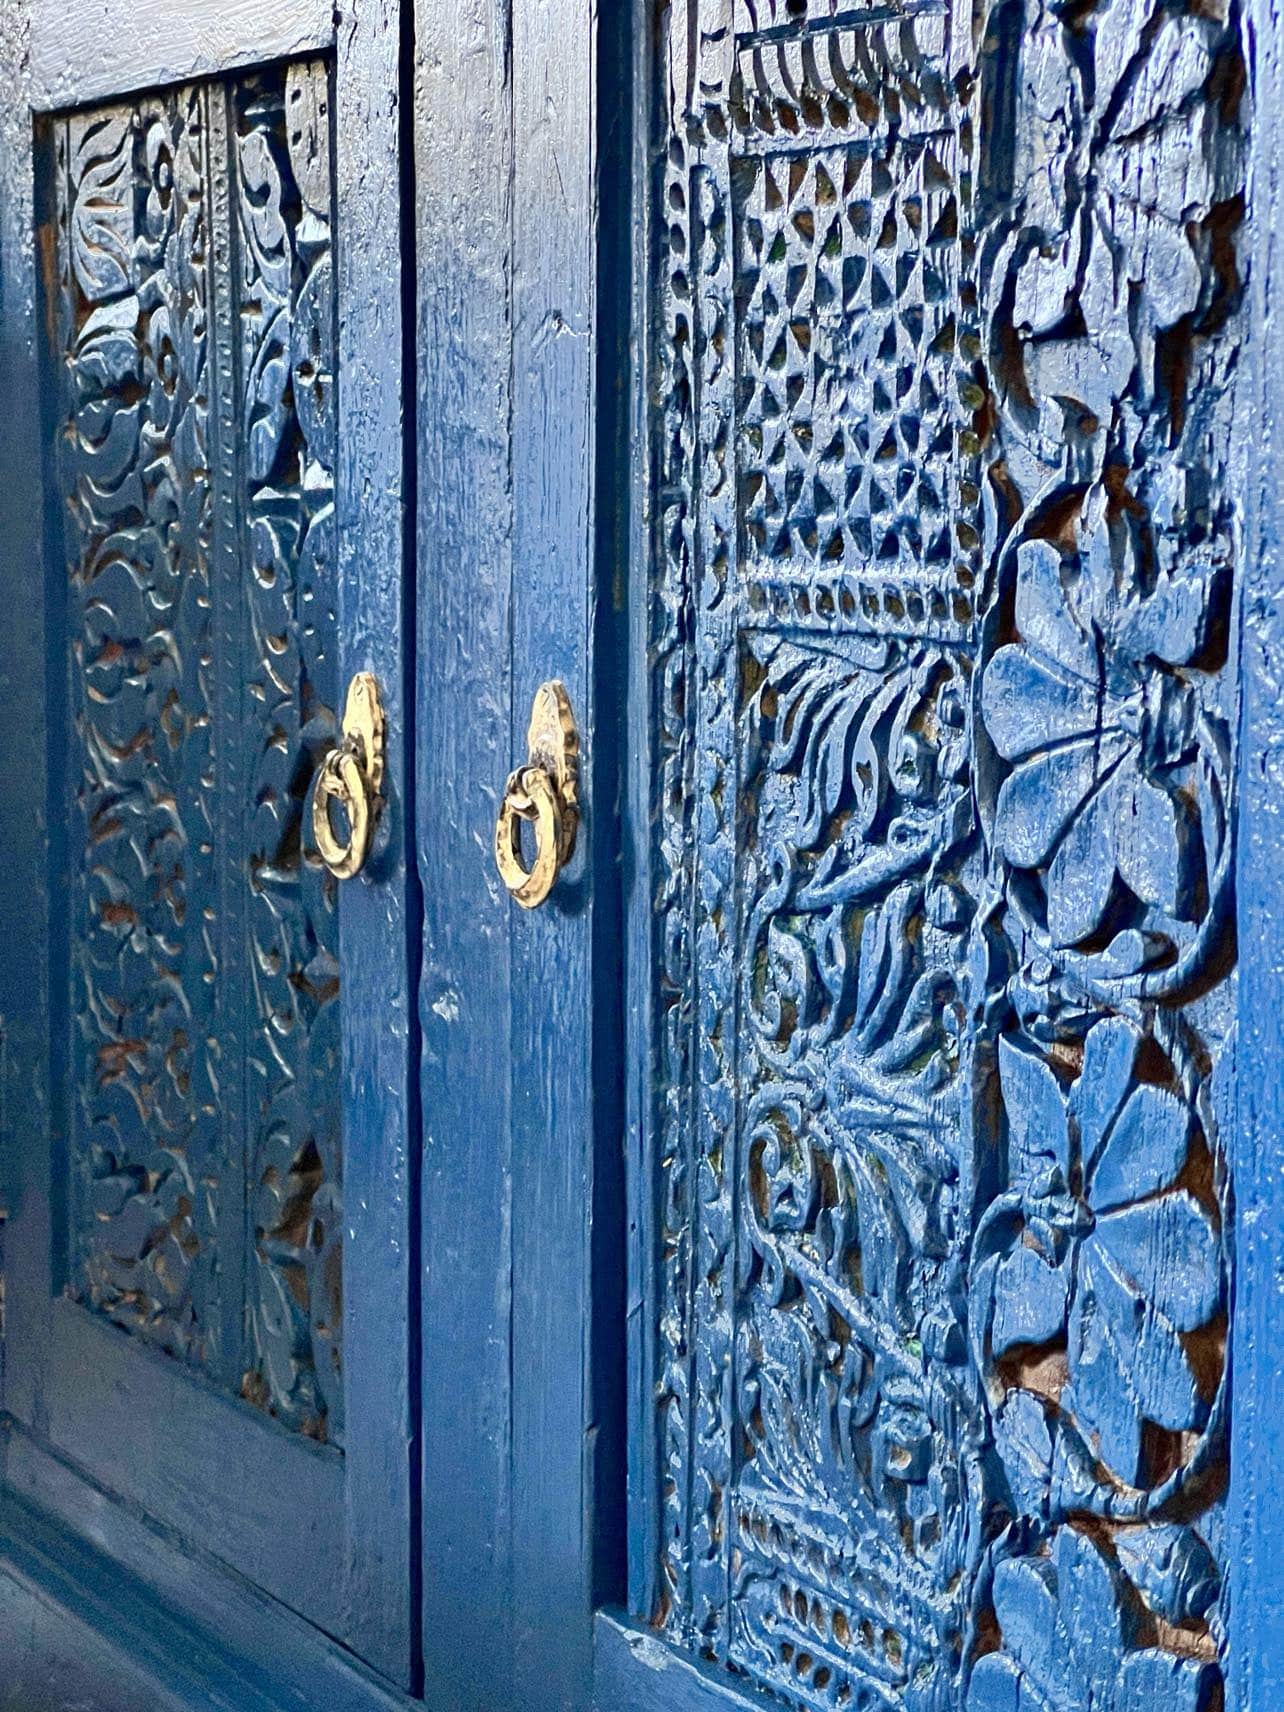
x=945, y=338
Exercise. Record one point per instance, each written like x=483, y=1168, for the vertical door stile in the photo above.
x=1256, y=1103
x=380, y=921
x=463, y=220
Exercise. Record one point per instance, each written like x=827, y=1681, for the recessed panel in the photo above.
x=946, y=328
x=193, y=317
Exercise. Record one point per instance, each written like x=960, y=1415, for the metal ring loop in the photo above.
x=530, y=796
x=341, y=779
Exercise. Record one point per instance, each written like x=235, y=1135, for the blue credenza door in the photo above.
x=826, y=1253
x=209, y=1248
x=946, y=554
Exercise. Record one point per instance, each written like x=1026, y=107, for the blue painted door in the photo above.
x=208, y=1254
x=939, y=555
x=874, y=1137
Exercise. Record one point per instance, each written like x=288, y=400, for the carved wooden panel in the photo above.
x=191, y=301
x=945, y=335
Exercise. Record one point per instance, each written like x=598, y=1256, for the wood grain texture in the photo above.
x=24, y=970
x=113, y=47
x=52, y=1663
x=158, y=1438
x=379, y=911
x=462, y=214
x=641, y=1138
x=570, y=378
x=554, y=367
x=87, y=1544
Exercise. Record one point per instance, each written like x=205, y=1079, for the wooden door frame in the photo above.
x=1256, y=1545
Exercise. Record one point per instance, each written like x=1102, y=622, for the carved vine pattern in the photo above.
x=946, y=337
x=192, y=300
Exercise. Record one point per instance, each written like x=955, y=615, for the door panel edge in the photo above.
x=196, y=1635
x=90, y=53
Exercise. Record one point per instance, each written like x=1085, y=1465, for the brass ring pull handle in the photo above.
x=545, y=795
x=352, y=776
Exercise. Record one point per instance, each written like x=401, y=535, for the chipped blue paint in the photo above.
x=946, y=319
x=190, y=1293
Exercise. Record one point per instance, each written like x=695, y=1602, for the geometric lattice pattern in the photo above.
x=848, y=271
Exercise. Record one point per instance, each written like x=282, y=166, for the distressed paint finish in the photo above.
x=196, y=461
x=946, y=332
x=99, y=50
x=134, y=1439
x=299, y=602
x=1257, y=1458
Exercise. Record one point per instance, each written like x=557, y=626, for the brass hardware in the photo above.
x=352, y=776
x=544, y=792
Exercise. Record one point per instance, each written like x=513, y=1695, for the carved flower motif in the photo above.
x=1127, y=153
x=1108, y=1255
x=1101, y=733
x=1070, y=1637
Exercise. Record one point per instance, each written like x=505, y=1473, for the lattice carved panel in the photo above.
x=191, y=298
x=945, y=335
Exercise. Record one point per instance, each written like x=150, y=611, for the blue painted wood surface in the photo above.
x=567, y=606
x=379, y=923
x=941, y=1436
x=179, y=1618
x=463, y=209
x=330, y=1531
x=933, y=1190
x=1257, y=1451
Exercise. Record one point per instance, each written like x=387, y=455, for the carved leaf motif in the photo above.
x=102, y=214
x=1099, y=792
x=1069, y=1642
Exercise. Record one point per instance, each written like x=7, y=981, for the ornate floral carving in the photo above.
x=1098, y=1269
x=1118, y=801
x=945, y=1258
x=204, y=972
x=134, y=316
x=1074, y=1643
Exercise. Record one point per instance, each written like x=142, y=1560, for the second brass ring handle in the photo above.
x=543, y=794
x=530, y=797
x=341, y=780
